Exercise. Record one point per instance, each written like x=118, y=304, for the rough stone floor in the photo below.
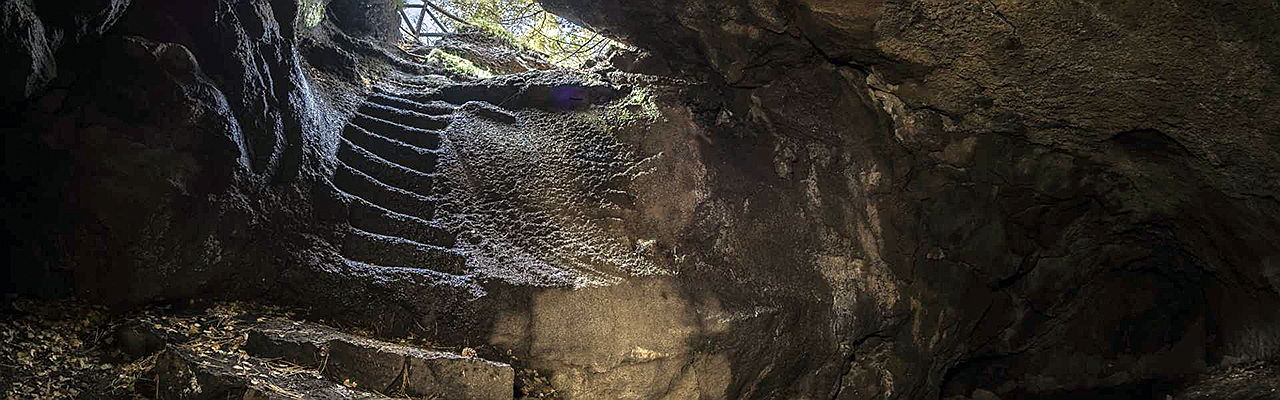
x=66, y=350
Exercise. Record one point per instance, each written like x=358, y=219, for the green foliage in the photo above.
x=311, y=12
x=525, y=24
x=497, y=31
x=457, y=65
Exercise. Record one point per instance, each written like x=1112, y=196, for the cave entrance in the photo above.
x=521, y=24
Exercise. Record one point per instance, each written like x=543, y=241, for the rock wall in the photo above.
x=33, y=33
x=367, y=18
x=161, y=145
x=581, y=201
x=1029, y=199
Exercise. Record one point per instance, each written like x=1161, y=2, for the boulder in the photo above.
x=24, y=44
x=183, y=374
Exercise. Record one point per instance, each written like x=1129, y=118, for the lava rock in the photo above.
x=365, y=364
x=300, y=344
x=29, y=64
x=386, y=367
x=457, y=377
x=186, y=375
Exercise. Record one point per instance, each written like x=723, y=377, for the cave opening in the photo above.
x=521, y=24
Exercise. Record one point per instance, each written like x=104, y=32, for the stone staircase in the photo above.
x=388, y=185
x=386, y=175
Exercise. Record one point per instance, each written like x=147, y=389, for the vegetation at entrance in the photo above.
x=523, y=23
x=457, y=65
x=311, y=12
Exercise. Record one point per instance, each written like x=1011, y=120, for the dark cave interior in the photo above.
x=766, y=199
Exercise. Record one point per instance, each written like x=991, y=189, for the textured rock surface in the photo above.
x=33, y=32
x=187, y=375
x=367, y=18
x=1022, y=198
x=158, y=164
x=174, y=138
x=29, y=59
x=663, y=286
x=1244, y=381
x=285, y=359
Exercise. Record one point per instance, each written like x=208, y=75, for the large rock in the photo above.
x=186, y=374
x=82, y=20
x=159, y=141
x=29, y=63
x=250, y=48
x=283, y=358
x=377, y=19
x=382, y=367
x=31, y=33
x=177, y=126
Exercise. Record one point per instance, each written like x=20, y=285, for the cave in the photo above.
x=703, y=200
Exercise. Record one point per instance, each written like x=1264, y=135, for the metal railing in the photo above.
x=413, y=21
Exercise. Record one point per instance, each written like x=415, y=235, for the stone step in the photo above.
x=405, y=116
x=425, y=106
x=391, y=251
x=370, y=217
x=385, y=171
x=497, y=94
x=422, y=137
x=383, y=367
x=182, y=374
x=490, y=111
x=404, y=154
x=419, y=372
x=440, y=286
x=434, y=96
x=358, y=184
x=300, y=343
x=411, y=86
